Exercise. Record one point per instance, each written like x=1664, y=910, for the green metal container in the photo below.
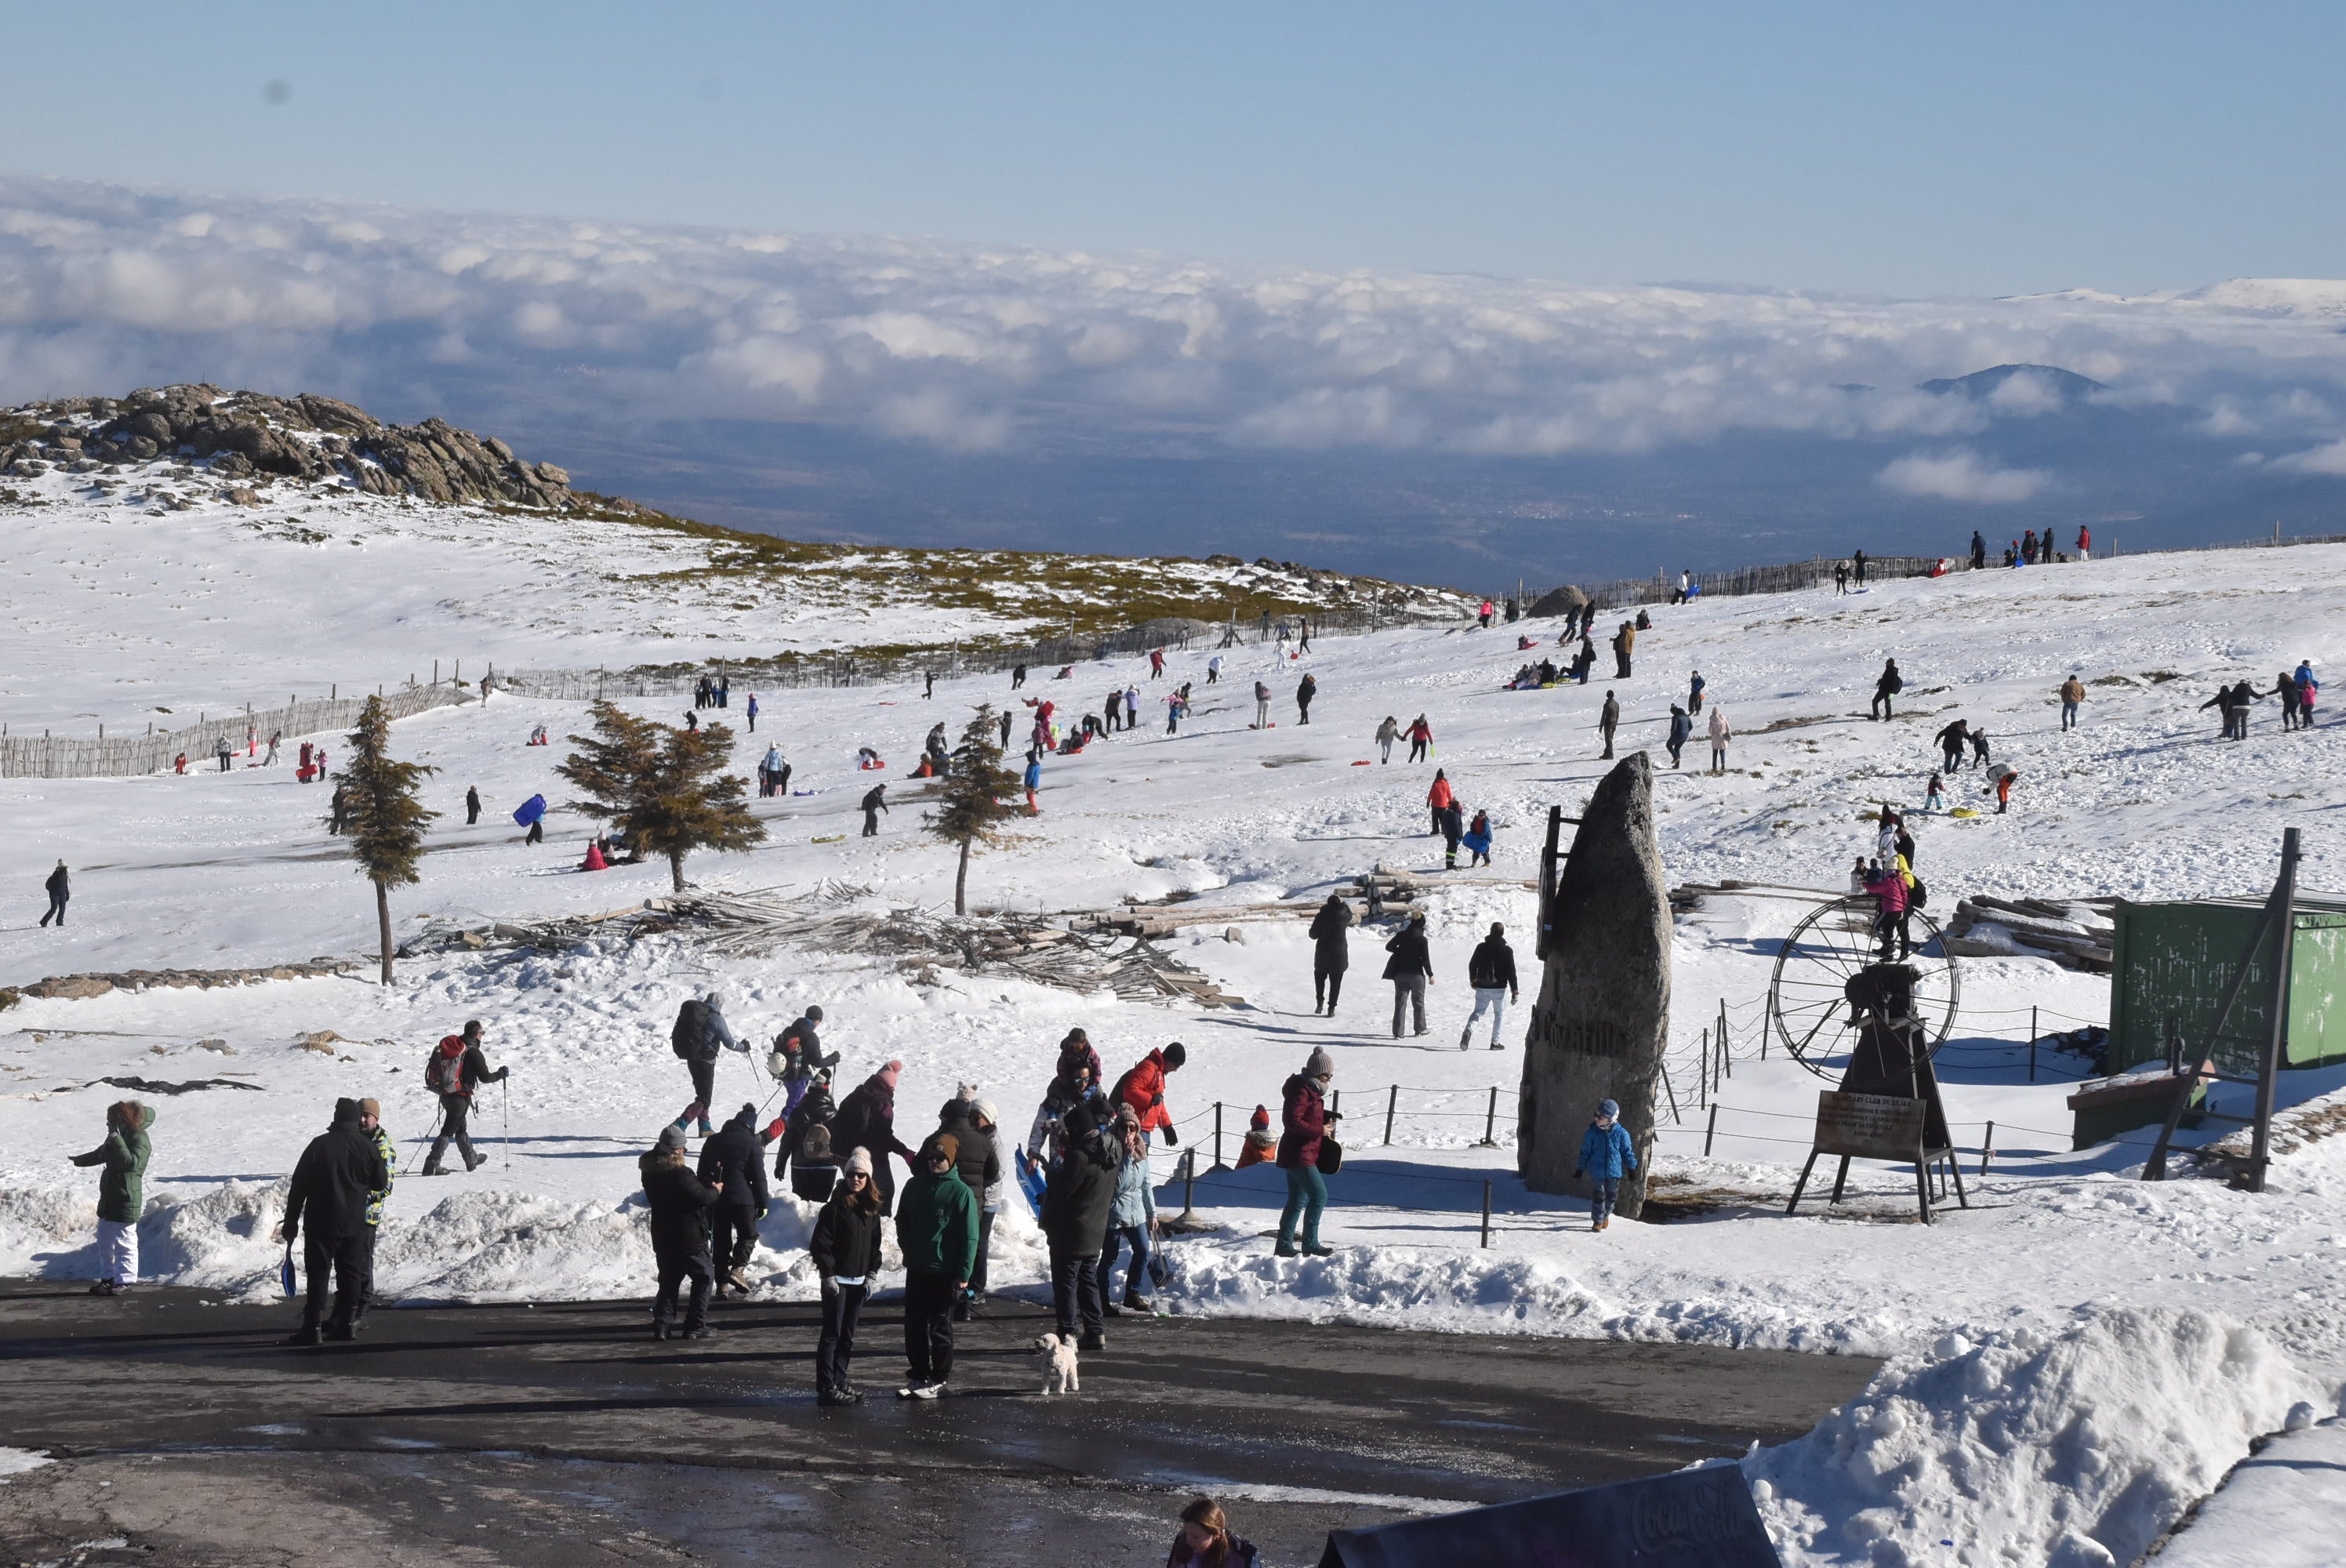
x=2172, y=961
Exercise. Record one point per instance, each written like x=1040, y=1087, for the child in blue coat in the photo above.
x=1607, y=1156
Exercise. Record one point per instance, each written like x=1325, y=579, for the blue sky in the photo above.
x=1896, y=149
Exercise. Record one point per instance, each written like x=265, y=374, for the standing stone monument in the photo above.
x=1602, y=1020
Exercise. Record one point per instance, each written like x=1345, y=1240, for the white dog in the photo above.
x=1059, y=1366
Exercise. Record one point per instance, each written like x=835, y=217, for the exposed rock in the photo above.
x=244, y=497
x=80, y=987
x=1602, y=1020
x=1559, y=602
x=307, y=438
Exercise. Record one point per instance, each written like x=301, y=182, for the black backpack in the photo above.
x=1918, y=895
x=690, y=1025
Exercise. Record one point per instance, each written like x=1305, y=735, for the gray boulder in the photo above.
x=1559, y=602
x=1601, y=1022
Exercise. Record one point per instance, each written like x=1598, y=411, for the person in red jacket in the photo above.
x=1439, y=797
x=1421, y=740
x=1888, y=886
x=1305, y=1115
x=1143, y=1088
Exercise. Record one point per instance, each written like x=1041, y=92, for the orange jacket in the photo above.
x=1440, y=795
x=1143, y=1089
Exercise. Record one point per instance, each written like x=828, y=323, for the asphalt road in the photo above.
x=563, y=1435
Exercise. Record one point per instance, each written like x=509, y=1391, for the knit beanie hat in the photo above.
x=947, y=1145
x=1261, y=1120
x=986, y=1113
x=671, y=1138
x=1609, y=1109
x=1319, y=1063
x=889, y=1073
x=1175, y=1054
x=1126, y=1116
x=371, y=1108
x=814, y=1014
x=861, y=1160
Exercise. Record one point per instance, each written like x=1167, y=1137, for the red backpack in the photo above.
x=443, y=1073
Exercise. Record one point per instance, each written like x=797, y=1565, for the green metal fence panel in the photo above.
x=2171, y=963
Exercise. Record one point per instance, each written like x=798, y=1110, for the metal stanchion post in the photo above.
x=1988, y=1149
x=1487, y=1211
x=1710, y=1129
x=1392, y=1101
x=1491, y=1121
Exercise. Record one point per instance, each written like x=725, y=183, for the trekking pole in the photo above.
x=427, y=1137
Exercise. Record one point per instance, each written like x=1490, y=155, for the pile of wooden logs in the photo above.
x=2076, y=933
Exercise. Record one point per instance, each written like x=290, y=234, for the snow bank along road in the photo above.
x=564, y=1436
x=2058, y=1289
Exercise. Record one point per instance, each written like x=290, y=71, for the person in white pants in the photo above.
x=1490, y=970
x=121, y=1194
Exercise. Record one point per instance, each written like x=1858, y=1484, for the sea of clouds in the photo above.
x=969, y=348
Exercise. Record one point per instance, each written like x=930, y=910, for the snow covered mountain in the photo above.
x=209, y=549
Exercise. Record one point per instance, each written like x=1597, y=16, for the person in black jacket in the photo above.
x=1330, y=955
x=735, y=1160
x=60, y=889
x=472, y=805
x=1454, y=828
x=866, y=1119
x=338, y=1174
x=465, y=1069
x=1490, y=970
x=1889, y=684
x=1305, y=690
x=1950, y=739
x=680, y=1203
x=1075, y=1202
x=807, y=1151
x=845, y=1248
x=1411, y=969
x=875, y=800
x=979, y=1160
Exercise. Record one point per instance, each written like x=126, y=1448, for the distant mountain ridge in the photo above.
x=2068, y=384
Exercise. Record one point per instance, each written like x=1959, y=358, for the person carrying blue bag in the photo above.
x=1606, y=1155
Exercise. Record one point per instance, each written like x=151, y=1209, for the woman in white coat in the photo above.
x=1719, y=736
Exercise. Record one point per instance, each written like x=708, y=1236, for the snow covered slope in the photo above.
x=149, y=588
x=2193, y=1282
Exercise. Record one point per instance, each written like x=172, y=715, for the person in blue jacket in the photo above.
x=1033, y=781
x=1607, y=1156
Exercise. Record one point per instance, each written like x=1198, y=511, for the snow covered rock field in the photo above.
x=2077, y=1358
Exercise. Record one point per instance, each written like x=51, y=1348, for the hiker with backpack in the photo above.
x=698, y=1033
x=808, y=1153
x=1490, y=970
x=453, y=1070
x=1889, y=684
x=797, y=1057
x=735, y=1162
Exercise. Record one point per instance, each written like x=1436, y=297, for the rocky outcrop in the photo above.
x=248, y=436
x=1602, y=1021
x=81, y=987
x=1561, y=601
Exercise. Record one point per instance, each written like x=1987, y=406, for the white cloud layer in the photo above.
x=975, y=348
x=1962, y=474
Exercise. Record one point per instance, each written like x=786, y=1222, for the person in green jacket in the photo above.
x=371, y=1118
x=936, y=1229
x=121, y=1193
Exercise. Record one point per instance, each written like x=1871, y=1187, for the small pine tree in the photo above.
x=386, y=815
x=978, y=800
x=664, y=788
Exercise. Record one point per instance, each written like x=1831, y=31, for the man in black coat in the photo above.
x=680, y=1202
x=337, y=1174
x=1889, y=684
x=1490, y=970
x=866, y=1119
x=1330, y=955
x=875, y=800
x=1077, y=1198
x=736, y=1160
x=60, y=888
